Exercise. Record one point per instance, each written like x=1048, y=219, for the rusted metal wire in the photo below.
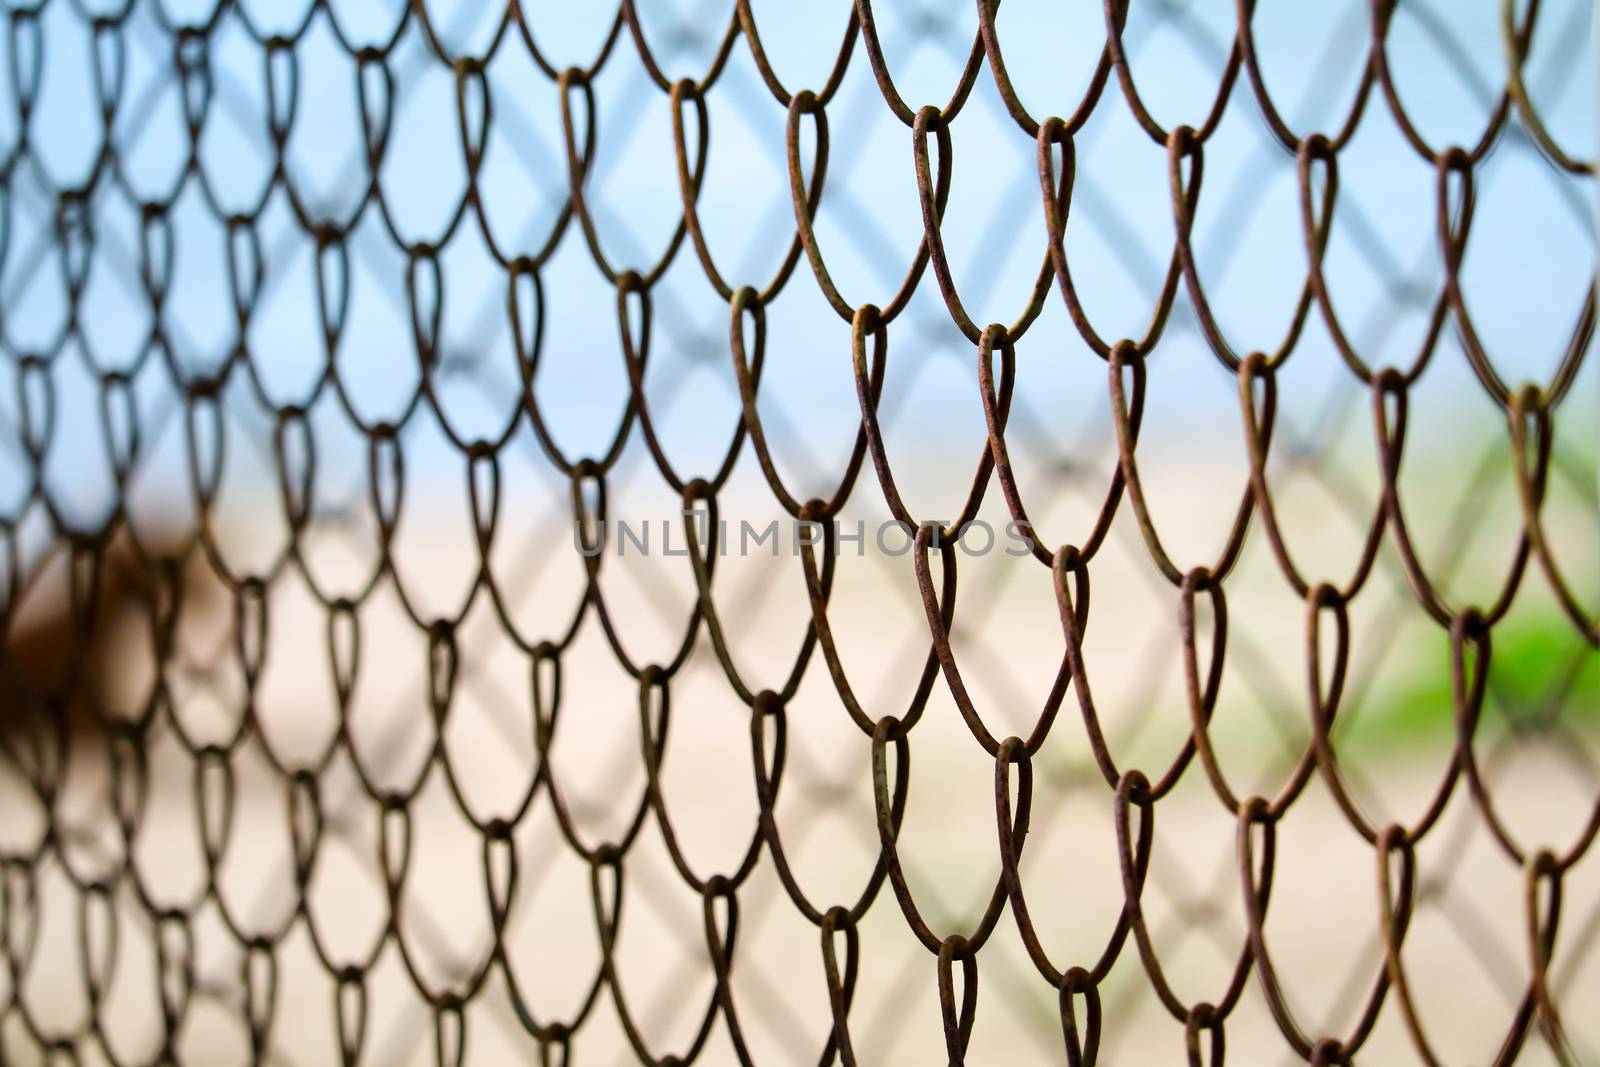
x=52, y=712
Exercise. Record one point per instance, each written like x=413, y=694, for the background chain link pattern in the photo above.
x=58, y=721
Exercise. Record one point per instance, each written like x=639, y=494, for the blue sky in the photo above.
x=1532, y=250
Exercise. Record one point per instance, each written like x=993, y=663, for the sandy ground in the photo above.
x=1466, y=954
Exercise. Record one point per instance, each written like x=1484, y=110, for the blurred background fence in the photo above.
x=343, y=722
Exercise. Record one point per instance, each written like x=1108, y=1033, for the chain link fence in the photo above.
x=497, y=501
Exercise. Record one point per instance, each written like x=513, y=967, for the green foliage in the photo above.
x=1538, y=667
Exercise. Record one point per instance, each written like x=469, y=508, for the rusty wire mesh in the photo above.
x=221, y=846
